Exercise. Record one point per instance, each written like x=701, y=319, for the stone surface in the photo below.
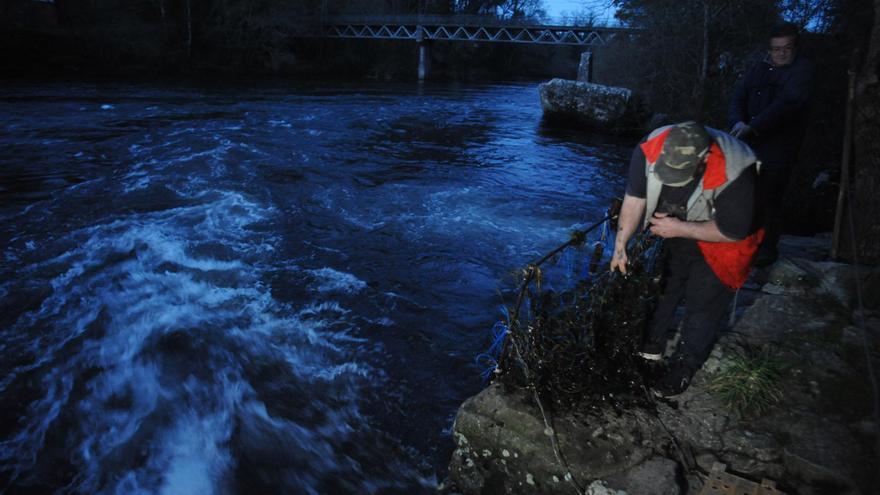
x=503, y=446
x=782, y=317
x=600, y=488
x=656, y=476
x=789, y=277
x=842, y=281
x=606, y=108
x=825, y=453
x=818, y=439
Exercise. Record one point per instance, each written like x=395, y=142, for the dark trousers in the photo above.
x=688, y=276
x=772, y=182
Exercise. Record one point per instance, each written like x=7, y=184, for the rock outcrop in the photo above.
x=821, y=438
x=503, y=446
x=594, y=106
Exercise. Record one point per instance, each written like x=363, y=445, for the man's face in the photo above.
x=782, y=50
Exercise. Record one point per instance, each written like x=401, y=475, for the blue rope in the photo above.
x=567, y=260
x=489, y=370
x=585, y=268
x=490, y=357
x=505, y=312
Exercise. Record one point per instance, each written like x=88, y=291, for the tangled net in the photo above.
x=578, y=346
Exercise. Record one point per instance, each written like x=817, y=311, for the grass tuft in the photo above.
x=750, y=382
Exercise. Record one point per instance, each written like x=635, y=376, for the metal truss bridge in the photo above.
x=471, y=28
x=475, y=29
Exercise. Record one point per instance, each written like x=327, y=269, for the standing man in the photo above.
x=768, y=111
x=695, y=187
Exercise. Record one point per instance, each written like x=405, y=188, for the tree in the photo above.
x=815, y=15
x=522, y=9
x=684, y=44
x=507, y=9
x=866, y=202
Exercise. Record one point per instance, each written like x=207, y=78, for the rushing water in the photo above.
x=263, y=288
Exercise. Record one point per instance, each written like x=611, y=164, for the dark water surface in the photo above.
x=263, y=288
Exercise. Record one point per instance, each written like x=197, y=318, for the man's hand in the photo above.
x=619, y=259
x=665, y=226
x=741, y=130
x=630, y=217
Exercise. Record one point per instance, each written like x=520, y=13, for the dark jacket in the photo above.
x=774, y=101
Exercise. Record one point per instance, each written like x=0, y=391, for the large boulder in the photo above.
x=595, y=106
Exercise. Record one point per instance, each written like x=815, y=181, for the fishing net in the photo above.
x=578, y=345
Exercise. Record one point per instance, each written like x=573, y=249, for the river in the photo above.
x=268, y=287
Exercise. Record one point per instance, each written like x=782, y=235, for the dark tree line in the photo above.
x=239, y=34
x=866, y=177
x=234, y=35
x=691, y=51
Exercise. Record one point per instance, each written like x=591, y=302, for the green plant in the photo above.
x=750, y=382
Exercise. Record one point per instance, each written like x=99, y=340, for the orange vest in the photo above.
x=730, y=261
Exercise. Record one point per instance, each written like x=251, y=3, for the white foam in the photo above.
x=106, y=428
x=330, y=280
x=322, y=307
x=280, y=123
x=137, y=424
x=196, y=453
x=332, y=372
x=20, y=450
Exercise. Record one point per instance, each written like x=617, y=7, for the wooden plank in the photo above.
x=720, y=482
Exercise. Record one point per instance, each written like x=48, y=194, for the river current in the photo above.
x=264, y=288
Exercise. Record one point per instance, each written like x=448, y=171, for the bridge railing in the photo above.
x=459, y=28
x=459, y=20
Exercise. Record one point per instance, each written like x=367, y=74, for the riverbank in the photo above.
x=799, y=325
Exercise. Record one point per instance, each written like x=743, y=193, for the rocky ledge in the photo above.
x=595, y=106
x=819, y=438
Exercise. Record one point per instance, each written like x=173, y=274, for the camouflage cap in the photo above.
x=683, y=151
